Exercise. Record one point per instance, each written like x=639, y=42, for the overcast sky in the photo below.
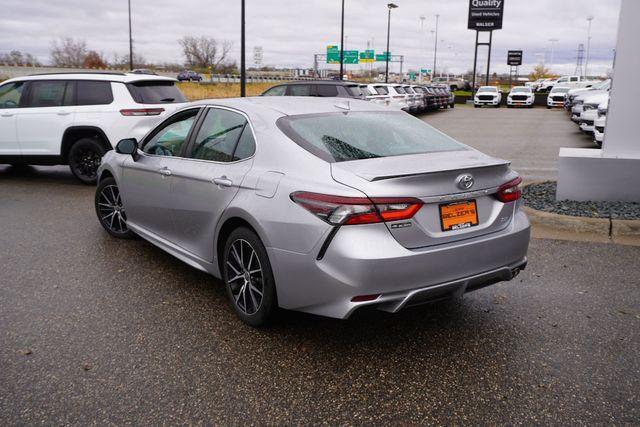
x=291, y=31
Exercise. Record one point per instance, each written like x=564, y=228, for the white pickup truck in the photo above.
x=453, y=83
x=568, y=81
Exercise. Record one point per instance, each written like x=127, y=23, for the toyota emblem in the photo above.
x=465, y=181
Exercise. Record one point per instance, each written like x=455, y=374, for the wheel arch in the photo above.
x=74, y=133
x=234, y=218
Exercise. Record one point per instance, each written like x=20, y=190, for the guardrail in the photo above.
x=10, y=71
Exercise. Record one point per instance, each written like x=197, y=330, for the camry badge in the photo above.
x=465, y=181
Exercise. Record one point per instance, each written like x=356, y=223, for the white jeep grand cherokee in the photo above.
x=73, y=119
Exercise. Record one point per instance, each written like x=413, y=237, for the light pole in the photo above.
x=553, y=42
x=243, y=76
x=342, y=42
x=422, y=41
x=586, y=62
x=435, y=49
x=130, y=40
x=386, y=72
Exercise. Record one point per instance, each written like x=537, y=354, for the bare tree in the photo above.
x=16, y=57
x=68, y=52
x=204, y=52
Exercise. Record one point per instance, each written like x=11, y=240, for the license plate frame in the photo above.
x=453, y=217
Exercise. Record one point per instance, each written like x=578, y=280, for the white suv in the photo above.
x=73, y=119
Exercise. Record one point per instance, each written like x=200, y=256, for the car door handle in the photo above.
x=165, y=171
x=63, y=113
x=223, y=181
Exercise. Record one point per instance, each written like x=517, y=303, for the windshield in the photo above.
x=521, y=90
x=365, y=90
x=560, y=90
x=488, y=89
x=354, y=90
x=381, y=90
x=603, y=85
x=339, y=137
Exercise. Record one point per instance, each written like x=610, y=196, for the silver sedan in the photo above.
x=321, y=205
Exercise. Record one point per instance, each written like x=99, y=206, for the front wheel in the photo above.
x=84, y=159
x=248, y=277
x=110, y=210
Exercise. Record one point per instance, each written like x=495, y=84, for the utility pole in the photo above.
x=435, y=49
x=422, y=41
x=130, y=40
x=387, y=53
x=342, y=42
x=243, y=72
x=586, y=62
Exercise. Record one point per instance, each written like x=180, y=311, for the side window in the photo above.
x=299, y=90
x=169, y=139
x=276, y=91
x=10, y=95
x=93, y=93
x=574, y=79
x=218, y=136
x=48, y=93
x=246, y=146
x=327, y=90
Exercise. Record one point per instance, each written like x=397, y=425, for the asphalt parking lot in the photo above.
x=98, y=330
x=530, y=138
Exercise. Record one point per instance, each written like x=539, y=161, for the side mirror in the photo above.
x=128, y=146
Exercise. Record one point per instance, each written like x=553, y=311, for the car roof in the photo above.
x=104, y=76
x=323, y=82
x=291, y=105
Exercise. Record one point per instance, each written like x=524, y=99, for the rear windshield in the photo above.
x=418, y=90
x=400, y=89
x=339, y=137
x=408, y=90
x=155, y=92
x=381, y=90
x=354, y=90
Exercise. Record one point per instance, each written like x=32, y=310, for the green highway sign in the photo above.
x=350, y=56
x=383, y=57
x=367, y=56
x=425, y=70
x=333, y=54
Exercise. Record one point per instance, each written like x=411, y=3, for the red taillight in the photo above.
x=142, y=111
x=510, y=192
x=338, y=210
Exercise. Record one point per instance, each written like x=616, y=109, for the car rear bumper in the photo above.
x=367, y=260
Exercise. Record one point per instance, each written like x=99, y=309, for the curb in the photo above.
x=547, y=225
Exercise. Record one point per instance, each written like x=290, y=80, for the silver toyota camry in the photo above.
x=321, y=205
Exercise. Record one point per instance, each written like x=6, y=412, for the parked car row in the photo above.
x=407, y=97
x=588, y=109
x=573, y=82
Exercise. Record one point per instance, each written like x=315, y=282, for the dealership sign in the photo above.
x=514, y=58
x=485, y=15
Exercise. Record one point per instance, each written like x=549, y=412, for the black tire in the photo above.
x=84, y=159
x=497, y=106
x=110, y=210
x=476, y=106
x=452, y=105
x=548, y=108
x=251, y=293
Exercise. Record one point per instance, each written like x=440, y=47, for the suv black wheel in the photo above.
x=248, y=277
x=84, y=159
x=110, y=210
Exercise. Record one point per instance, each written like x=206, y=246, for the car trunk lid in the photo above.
x=432, y=178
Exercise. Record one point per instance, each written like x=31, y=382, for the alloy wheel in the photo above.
x=86, y=162
x=244, y=276
x=111, y=210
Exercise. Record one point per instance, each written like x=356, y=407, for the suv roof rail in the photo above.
x=111, y=73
